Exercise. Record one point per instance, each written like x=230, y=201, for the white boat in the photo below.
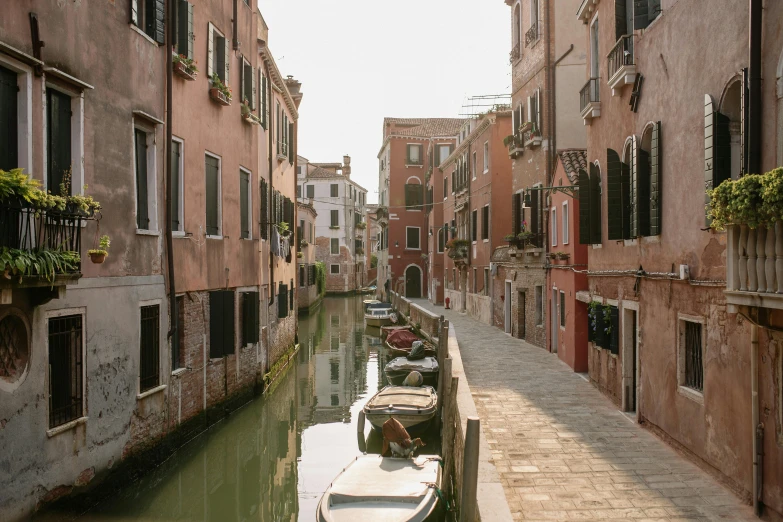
x=379, y=316
x=400, y=367
x=413, y=407
x=383, y=489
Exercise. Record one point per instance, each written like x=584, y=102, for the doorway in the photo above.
x=413, y=282
x=630, y=359
x=507, y=306
x=522, y=303
x=553, y=320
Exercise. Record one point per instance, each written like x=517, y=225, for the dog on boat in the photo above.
x=396, y=439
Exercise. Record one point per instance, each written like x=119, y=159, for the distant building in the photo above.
x=308, y=295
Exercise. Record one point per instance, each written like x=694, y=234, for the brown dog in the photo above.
x=396, y=439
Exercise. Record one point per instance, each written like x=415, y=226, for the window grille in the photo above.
x=149, y=376
x=65, y=369
x=694, y=367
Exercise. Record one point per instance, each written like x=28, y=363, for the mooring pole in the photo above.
x=470, y=471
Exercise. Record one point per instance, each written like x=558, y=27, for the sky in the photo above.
x=362, y=60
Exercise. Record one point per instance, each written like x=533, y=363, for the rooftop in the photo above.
x=422, y=127
x=573, y=160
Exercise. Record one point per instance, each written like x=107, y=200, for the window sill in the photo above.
x=414, y=165
x=178, y=372
x=151, y=391
x=651, y=239
x=485, y=240
x=65, y=427
x=143, y=232
x=214, y=237
x=414, y=249
x=143, y=34
x=630, y=242
x=178, y=234
x=486, y=171
x=691, y=394
x=597, y=246
x=281, y=158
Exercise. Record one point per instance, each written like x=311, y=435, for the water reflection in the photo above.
x=272, y=460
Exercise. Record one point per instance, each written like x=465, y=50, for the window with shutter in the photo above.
x=212, y=167
x=414, y=155
x=717, y=149
x=244, y=203
x=583, y=182
x=535, y=216
x=291, y=295
x=485, y=222
x=9, y=151
x=595, y=204
x=620, y=27
x=641, y=17
x=614, y=182
x=220, y=56
x=310, y=191
x=334, y=246
x=413, y=238
x=474, y=225
x=414, y=197
x=334, y=218
x=142, y=202
x=334, y=190
x=264, y=208
x=642, y=186
x=282, y=301
x=58, y=113
x=184, y=26
x=250, y=317
x=264, y=103
x=655, y=180
x=176, y=185
x=221, y=323
x=290, y=143
x=516, y=213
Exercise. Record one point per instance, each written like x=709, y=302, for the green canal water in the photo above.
x=271, y=460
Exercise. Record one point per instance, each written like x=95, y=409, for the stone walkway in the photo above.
x=564, y=451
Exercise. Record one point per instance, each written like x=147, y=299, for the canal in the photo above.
x=272, y=459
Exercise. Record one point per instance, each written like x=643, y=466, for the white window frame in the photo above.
x=475, y=164
x=421, y=155
x=24, y=112
x=682, y=389
x=486, y=157
x=331, y=244
x=152, y=186
x=331, y=269
x=565, y=218
x=181, y=195
x=407, y=246
x=249, y=202
x=82, y=311
x=553, y=225
x=162, y=350
x=219, y=196
x=77, y=140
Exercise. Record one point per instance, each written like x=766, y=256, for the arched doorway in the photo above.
x=413, y=281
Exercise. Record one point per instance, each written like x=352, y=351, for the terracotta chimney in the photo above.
x=294, y=87
x=347, y=166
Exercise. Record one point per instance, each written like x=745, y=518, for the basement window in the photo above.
x=149, y=366
x=690, y=355
x=66, y=353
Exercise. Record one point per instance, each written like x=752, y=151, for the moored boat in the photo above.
x=379, y=316
x=400, y=343
x=413, y=407
x=384, y=489
x=397, y=369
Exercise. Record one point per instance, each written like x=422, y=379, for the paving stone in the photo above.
x=562, y=449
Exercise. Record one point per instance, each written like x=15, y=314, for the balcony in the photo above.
x=590, y=100
x=515, y=145
x=754, y=267
x=532, y=35
x=622, y=65
x=515, y=54
x=531, y=135
x=282, y=150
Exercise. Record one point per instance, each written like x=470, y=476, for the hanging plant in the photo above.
x=283, y=230
x=98, y=255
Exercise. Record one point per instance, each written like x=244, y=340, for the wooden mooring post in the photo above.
x=448, y=434
x=360, y=433
x=443, y=354
x=470, y=463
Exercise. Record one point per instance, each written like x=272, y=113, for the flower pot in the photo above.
x=181, y=70
x=97, y=258
x=219, y=97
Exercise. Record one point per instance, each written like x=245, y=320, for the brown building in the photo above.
x=477, y=183
x=411, y=148
x=678, y=338
x=547, y=56
x=308, y=295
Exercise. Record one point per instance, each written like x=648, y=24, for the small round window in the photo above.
x=14, y=348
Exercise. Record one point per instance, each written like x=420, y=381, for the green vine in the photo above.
x=320, y=278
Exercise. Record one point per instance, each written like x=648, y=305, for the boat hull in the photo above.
x=377, y=321
x=414, y=424
x=397, y=376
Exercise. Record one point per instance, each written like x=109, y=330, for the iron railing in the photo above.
x=694, y=369
x=65, y=369
x=515, y=53
x=621, y=54
x=532, y=34
x=589, y=93
x=150, y=347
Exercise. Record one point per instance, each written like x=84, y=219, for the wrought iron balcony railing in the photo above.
x=621, y=54
x=515, y=53
x=532, y=35
x=589, y=93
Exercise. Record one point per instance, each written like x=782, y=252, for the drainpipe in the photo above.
x=269, y=207
x=754, y=393
x=754, y=104
x=173, y=314
x=551, y=149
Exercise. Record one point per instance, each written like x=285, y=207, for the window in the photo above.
x=441, y=240
x=595, y=57
x=590, y=206
x=534, y=13
x=475, y=280
x=251, y=306
x=445, y=187
x=414, y=196
x=562, y=309
x=539, y=305
x=178, y=342
x=291, y=296
x=218, y=54
x=414, y=155
x=212, y=167
x=475, y=165
x=10, y=111
x=334, y=269
x=485, y=222
x=474, y=225
x=646, y=178
x=412, y=238
x=691, y=350
x=311, y=191
x=534, y=111
x=618, y=185
x=148, y=15
x=282, y=300
x=486, y=281
x=264, y=99
x=334, y=216
x=565, y=222
x=221, y=323
x=486, y=157
x=444, y=151
x=59, y=141
x=66, y=352
x=644, y=12
x=185, y=33
x=143, y=146
x=334, y=190
x=149, y=367
x=177, y=185
x=299, y=191
x=264, y=208
x=247, y=84
x=553, y=227
x=244, y=204
x=517, y=26
x=335, y=246
x=302, y=276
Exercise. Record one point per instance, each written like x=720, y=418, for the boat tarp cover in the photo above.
x=426, y=364
x=402, y=339
x=393, y=431
x=417, y=352
x=403, y=396
x=374, y=477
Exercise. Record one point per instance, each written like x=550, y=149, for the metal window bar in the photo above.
x=514, y=54
x=150, y=347
x=621, y=54
x=65, y=369
x=531, y=36
x=589, y=93
x=25, y=228
x=694, y=369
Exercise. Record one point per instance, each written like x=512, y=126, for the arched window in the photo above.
x=731, y=107
x=517, y=25
x=647, y=170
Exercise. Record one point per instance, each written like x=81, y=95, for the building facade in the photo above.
x=680, y=332
x=546, y=57
x=341, y=222
x=308, y=295
x=411, y=149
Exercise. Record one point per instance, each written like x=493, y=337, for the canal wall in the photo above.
x=492, y=504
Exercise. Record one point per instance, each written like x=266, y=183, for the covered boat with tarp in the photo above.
x=400, y=343
x=413, y=407
x=399, y=368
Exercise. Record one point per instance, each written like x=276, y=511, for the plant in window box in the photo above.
x=283, y=230
x=361, y=226
x=526, y=126
x=220, y=92
x=185, y=67
x=247, y=113
x=525, y=237
x=458, y=248
x=299, y=255
x=98, y=255
x=303, y=243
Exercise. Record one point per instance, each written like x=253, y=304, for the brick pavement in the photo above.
x=564, y=451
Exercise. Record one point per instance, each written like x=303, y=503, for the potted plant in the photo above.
x=303, y=243
x=458, y=248
x=283, y=229
x=98, y=255
x=299, y=255
x=220, y=92
x=185, y=67
x=247, y=113
x=361, y=226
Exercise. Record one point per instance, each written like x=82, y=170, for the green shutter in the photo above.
x=228, y=322
x=263, y=98
x=516, y=213
x=212, y=191
x=627, y=206
x=291, y=143
x=220, y=62
x=175, y=184
x=160, y=11
x=620, y=28
x=614, y=334
x=291, y=295
x=191, y=31
x=183, y=29
x=635, y=202
x=655, y=180
x=717, y=150
x=595, y=204
x=244, y=210
x=264, y=208
x=142, y=209
x=9, y=156
x=282, y=301
x=216, y=334
x=58, y=138
x=584, y=207
x=644, y=201
x=641, y=17
x=250, y=317
x=614, y=190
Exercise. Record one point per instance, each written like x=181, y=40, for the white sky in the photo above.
x=362, y=60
